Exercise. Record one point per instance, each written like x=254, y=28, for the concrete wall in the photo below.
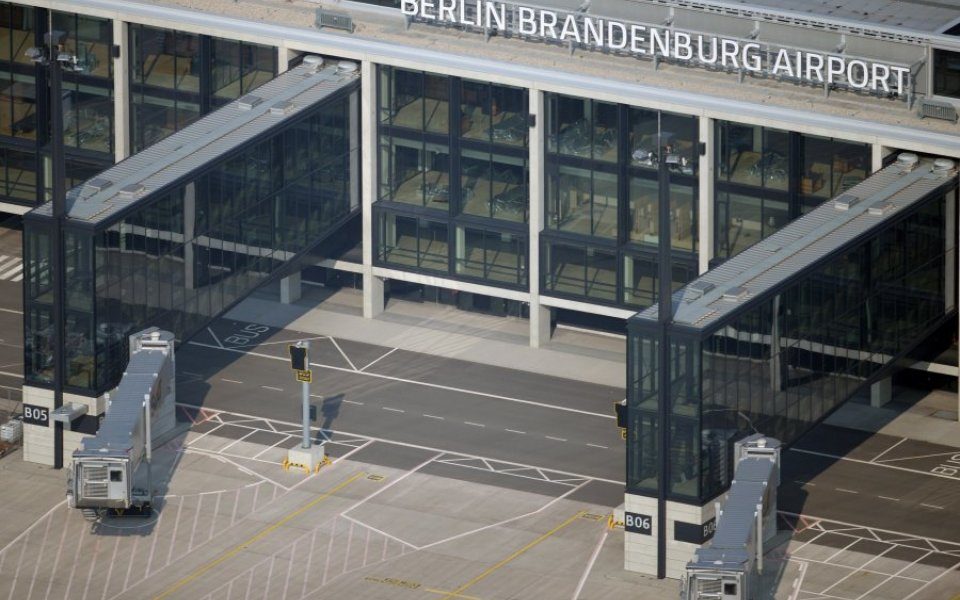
x=640, y=551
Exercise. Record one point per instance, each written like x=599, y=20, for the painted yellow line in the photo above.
x=448, y=592
x=456, y=593
x=264, y=532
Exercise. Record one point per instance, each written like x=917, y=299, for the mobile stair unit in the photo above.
x=731, y=567
x=111, y=470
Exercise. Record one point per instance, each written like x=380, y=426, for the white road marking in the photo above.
x=423, y=383
x=593, y=559
x=376, y=360
x=344, y=354
x=472, y=424
x=599, y=446
x=934, y=506
x=230, y=380
x=215, y=338
x=557, y=439
x=392, y=409
x=271, y=388
x=353, y=402
x=881, y=465
x=845, y=490
x=798, y=582
x=877, y=457
x=516, y=431
x=432, y=449
x=12, y=272
x=889, y=498
x=433, y=417
x=10, y=310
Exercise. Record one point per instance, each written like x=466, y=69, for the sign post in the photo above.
x=308, y=457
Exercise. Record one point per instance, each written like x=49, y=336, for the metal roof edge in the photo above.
x=357, y=47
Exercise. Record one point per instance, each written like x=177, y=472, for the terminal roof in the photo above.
x=769, y=264
x=210, y=138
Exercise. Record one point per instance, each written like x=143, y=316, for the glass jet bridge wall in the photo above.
x=781, y=360
x=186, y=253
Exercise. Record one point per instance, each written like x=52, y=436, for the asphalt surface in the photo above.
x=408, y=398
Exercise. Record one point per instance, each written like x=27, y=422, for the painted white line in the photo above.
x=224, y=449
x=433, y=417
x=877, y=457
x=379, y=491
x=505, y=521
x=272, y=446
x=18, y=277
x=881, y=465
x=38, y=560
x=599, y=446
x=17, y=269
x=370, y=528
x=230, y=380
x=919, y=589
x=889, y=498
x=593, y=559
x=846, y=491
x=393, y=409
x=432, y=449
x=856, y=526
x=32, y=525
x=272, y=388
x=10, y=310
x=303, y=339
x=414, y=382
x=237, y=465
x=516, y=431
x=472, y=424
x=6, y=261
x=556, y=439
x=933, y=506
x=344, y=354
x=354, y=402
x=215, y=338
x=376, y=360
x=798, y=582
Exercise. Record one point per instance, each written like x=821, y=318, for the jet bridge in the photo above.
x=112, y=469
x=731, y=567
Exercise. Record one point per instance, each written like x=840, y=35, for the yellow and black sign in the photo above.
x=304, y=375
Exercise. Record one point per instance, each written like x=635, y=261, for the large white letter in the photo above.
x=863, y=72
x=496, y=15
x=811, y=68
x=729, y=49
x=636, y=38
x=612, y=41
x=426, y=5
x=900, y=72
x=782, y=63
x=835, y=66
x=701, y=55
x=880, y=73
x=570, y=29
x=548, y=20
x=682, y=50
x=660, y=42
x=593, y=29
x=445, y=10
x=409, y=7
x=751, y=57
x=527, y=25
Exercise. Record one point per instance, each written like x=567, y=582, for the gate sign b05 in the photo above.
x=637, y=523
x=36, y=415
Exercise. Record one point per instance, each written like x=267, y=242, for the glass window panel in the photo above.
x=475, y=110
x=508, y=115
x=436, y=103
x=605, y=131
x=774, y=163
x=566, y=268
x=570, y=126
x=946, y=73
x=644, y=138
x=644, y=202
x=679, y=141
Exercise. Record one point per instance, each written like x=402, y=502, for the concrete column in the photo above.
x=283, y=58
x=373, y=300
x=37, y=439
x=290, y=288
x=881, y=392
x=878, y=152
x=539, y=315
x=121, y=93
x=705, y=225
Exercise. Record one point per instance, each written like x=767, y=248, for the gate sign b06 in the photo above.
x=637, y=523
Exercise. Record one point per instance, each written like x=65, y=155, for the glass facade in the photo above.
x=452, y=196
x=177, y=77
x=766, y=178
x=605, y=164
x=87, y=100
x=788, y=356
x=184, y=254
x=946, y=73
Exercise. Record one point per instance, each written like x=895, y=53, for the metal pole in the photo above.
x=305, y=387
x=148, y=440
x=59, y=210
x=665, y=316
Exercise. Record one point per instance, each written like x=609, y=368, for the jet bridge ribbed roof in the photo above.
x=272, y=104
x=119, y=427
x=766, y=265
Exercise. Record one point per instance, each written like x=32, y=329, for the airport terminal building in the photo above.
x=561, y=161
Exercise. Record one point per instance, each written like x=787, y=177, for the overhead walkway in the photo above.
x=780, y=335
x=177, y=234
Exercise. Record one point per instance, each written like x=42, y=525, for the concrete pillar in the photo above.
x=539, y=315
x=290, y=288
x=121, y=93
x=881, y=392
x=373, y=300
x=878, y=152
x=705, y=225
x=283, y=58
